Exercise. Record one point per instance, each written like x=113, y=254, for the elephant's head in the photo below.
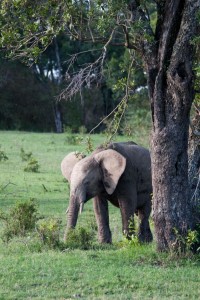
x=90, y=176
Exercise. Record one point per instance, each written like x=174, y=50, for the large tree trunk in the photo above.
x=58, y=117
x=171, y=82
x=194, y=167
x=57, y=106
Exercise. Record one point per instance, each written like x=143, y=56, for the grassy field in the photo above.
x=119, y=271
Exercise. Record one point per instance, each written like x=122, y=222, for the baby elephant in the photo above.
x=119, y=173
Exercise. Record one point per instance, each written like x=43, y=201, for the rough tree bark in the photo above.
x=168, y=62
x=171, y=94
x=194, y=167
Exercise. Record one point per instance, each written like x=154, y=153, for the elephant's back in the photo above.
x=134, y=152
x=137, y=157
x=138, y=163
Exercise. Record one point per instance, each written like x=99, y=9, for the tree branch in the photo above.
x=87, y=75
x=115, y=111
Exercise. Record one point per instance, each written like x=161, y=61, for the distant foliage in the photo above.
x=25, y=156
x=67, y=129
x=82, y=129
x=31, y=108
x=3, y=156
x=32, y=166
x=73, y=139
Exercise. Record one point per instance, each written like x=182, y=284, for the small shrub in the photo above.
x=49, y=232
x=3, y=156
x=82, y=130
x=32, y=166
x=79, y=238
x=25, y=156
x=188, y=243
x=67, y=129
x=73, y=139
x=19, y=220
x=193, y=239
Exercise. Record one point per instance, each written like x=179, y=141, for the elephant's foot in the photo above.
x=145, y=236
x=105, y=237
x=105, y=241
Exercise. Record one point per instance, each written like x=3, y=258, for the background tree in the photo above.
x=161, y=32
x=29, y=94
x=22, y=96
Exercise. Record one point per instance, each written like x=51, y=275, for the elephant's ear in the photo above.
x=69, y=162
x=113, y=165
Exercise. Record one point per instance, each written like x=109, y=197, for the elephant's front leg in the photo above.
x=102, y=218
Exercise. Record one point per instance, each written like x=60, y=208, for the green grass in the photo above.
x=102, y=272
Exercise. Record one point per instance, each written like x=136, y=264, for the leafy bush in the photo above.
x=25, y=156
x=49, y=232
x=193, y=240
x=23, y=223
x=187, y=243
x=79, y=238
x=19, y=220
x=32, y=166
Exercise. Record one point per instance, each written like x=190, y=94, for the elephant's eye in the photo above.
x=86, y=182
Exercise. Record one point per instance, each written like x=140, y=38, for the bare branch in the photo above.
x=109, y=115
x=122, y=104
x=88, y=74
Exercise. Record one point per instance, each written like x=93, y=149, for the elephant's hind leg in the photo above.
x=144, y=233
x=127, y=208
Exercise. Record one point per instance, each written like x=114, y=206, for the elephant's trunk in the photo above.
x=72, y=213
x=76, y=205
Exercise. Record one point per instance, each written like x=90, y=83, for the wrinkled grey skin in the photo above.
x=121, y=174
